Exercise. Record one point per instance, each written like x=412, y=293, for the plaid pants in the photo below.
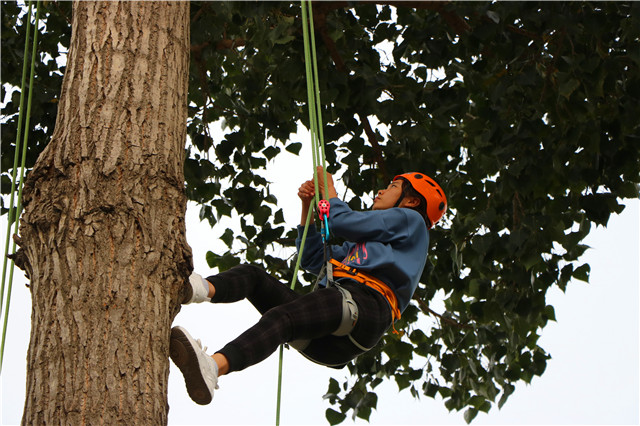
x=288, y=316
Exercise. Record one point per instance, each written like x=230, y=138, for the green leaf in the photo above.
x=227, y=237
x=212, y=259
x=334, y=417
x=450, y=362
x=285, y=39
x=531, y=260
x=368, y=403
x=400, y=351
x=628, y=190
x=248, y=230
x=223, y=263
x=550, y=312
x=582, y=272
x=417, y=336
x=334, y=387
x=568, y=87
x=470, y=414
x=403, y=381
x=294, y=147
x=278, y=217
x=270, y=152
x=430, y=389
x=507, y=391
x=262, y=215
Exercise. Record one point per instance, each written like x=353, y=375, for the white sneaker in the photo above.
x=200, y=371
x=197, y=290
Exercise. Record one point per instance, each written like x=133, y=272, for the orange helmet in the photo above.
x=432, y=193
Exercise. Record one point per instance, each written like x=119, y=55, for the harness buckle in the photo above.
x=352, y=271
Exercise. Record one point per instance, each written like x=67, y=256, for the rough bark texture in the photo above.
x=103, y=230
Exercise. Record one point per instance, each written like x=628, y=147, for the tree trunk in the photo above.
x=103, y=230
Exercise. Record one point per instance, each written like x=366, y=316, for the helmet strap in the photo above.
x=404, y=193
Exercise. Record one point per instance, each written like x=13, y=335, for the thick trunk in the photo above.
x=103, y=232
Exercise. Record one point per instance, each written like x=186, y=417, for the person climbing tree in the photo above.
x=375, y=273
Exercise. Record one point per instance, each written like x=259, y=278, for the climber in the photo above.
x=374, y=275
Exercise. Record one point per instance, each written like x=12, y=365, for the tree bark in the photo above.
x=103, y=230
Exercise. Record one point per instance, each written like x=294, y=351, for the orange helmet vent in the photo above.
x=432, y=193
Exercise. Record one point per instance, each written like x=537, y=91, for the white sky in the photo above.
x=592, y=377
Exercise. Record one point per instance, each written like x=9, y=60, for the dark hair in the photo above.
x=409, y=191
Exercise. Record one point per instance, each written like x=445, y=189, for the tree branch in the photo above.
x=202, y=73
x=425, y=307
x=225, y=43
x=61, y=12
x=371, y=136
x=320, y=21
x=321, y=8
x=199, y=13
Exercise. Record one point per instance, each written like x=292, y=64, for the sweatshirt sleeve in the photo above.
x=374, y=225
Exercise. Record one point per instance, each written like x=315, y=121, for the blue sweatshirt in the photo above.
x=389, y=244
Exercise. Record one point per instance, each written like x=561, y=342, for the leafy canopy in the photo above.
x=527, y=114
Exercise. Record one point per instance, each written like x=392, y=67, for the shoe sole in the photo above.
x=188, y=294
x=185, y=358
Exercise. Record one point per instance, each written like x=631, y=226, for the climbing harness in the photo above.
x=350, y=308
x=14, y=211
x=343, y=271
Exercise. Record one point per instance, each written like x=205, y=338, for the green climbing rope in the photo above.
x=317, y=148
x=14, y=211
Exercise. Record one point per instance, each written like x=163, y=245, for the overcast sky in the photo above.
x=592, y=377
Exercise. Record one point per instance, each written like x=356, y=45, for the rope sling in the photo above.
x=15, y=210
x=317, y=149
